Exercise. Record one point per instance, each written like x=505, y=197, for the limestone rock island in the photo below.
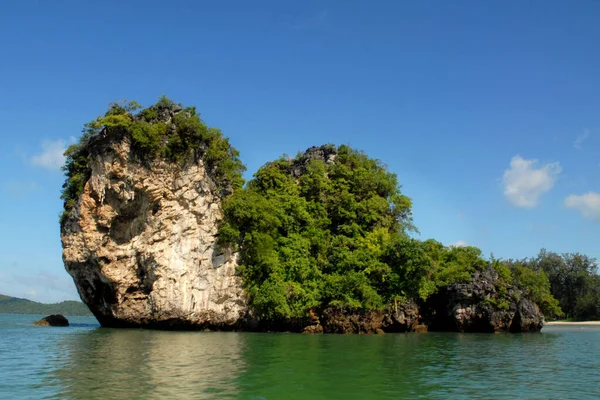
x=160, y=231
x=139, y=236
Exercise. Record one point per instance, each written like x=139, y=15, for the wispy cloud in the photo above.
x=543, y=228
x=42, y=286
x=587, y=204
x=460, y=243
x=524, y=184
x=52, y=155
x=62, y=282
x=19, y=190
x=582, y=137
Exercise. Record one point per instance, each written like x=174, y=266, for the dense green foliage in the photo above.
x=532, y=283
x=573, y=280
x=14, y=305
x=315, y=234
x=165, y=130
x=318, y=238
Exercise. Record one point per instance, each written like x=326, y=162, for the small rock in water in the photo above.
x=53, y=320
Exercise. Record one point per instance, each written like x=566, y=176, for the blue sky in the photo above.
x=487, y=111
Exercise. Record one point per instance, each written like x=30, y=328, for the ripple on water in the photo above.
x=87, y=362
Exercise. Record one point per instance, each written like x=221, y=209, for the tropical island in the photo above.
x=160, y=230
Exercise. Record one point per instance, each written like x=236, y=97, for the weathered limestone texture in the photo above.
x=141, y=244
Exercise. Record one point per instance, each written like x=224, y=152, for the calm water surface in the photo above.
x=87, y=362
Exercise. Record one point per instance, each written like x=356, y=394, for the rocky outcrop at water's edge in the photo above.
x=141, y=246
x=53, y=320
x=473, y=306
x=477, y=306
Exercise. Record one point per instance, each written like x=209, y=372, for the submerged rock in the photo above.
x=141, y=244
x=53, y=320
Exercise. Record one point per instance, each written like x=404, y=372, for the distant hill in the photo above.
x=14, y=305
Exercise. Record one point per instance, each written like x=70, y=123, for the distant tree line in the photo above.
x=14, y=305
x=574, y=281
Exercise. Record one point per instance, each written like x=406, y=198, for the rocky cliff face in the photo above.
x=141, y=247
x=475, y=307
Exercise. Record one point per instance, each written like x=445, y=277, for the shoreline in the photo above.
x=581, y=323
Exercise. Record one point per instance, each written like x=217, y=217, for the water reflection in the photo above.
x=427, y=366
x=136, y=364
x=130, y=364
x=501, y=365
x=325, y=367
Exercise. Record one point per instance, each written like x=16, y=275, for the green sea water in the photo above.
x=87, y=362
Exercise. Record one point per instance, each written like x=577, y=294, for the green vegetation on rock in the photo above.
x=14, y=305
x=164, y=130
x=313, y=231
x=330, y=228
x=572, y=279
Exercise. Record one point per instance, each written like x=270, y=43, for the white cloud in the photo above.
x=588, y=204
x=44, y=286
x=581, y=138
x=524, y=183
x=461, y=243
x=52, y=157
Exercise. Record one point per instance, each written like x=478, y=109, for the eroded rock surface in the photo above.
x=141, y=244
x=403, y=317
x=477, y=307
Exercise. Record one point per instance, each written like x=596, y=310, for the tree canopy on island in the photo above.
x=573, y=280
x=330, y=228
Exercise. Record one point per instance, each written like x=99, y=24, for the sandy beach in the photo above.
x=588, y=323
